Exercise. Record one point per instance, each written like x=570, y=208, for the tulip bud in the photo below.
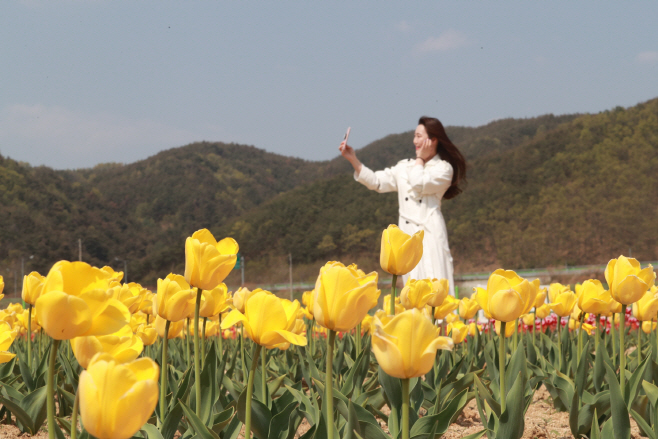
x=400, y=253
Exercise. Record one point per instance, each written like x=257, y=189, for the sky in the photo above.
x=86, y=82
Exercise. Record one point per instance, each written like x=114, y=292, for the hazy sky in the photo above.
x=85, y=82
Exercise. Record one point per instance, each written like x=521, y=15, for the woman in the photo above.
x=436, y=173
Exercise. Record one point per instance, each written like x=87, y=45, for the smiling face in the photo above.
x=420, y=138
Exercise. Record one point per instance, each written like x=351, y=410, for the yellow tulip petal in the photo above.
x=63, y=316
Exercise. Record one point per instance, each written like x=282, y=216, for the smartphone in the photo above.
x=347, y=134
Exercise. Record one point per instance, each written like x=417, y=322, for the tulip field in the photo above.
x=90, y=356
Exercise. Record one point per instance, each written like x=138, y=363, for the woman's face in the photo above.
x=420, y=137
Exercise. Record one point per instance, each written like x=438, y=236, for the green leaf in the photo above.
x=642, y=423
x=27, y=375
x=260, y=415
x=620, y=419
x=512, y=420
x=281, y=422
x=208, y=388
x=352, y=426
x=21, y=416
x=634, y=383
x=170, y=424
x=197, y=424
x=439, y=423
x=151, y=432
x=34, y=405
x=595, y=433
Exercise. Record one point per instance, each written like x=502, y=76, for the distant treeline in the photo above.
x=545, y=191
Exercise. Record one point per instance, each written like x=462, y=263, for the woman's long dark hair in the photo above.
x=448, y=152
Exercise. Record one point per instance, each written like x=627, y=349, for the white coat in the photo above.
x=420, y=190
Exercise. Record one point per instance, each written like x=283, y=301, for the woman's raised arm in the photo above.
x=349, y=154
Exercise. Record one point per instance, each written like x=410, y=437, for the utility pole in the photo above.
x=290, y=261
x=79, y=249
x=125, y=271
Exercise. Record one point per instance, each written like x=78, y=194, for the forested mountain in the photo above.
x=542, y=191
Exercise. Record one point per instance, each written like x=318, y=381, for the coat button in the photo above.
x=420, y=201
x=406, y=198
x=407, y=222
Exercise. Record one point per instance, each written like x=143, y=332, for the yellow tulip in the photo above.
x=468, y=308
x=146, y=306
x=268, y=320
x=627, y=280
x=614, y=307
x=575, y=311
x=563, y=302
x=541, y=297
x=398, y=306
x=147, y=333
x=440, y=290
x=307, y=299
x=131, y=294
x=2, y=286
x=447, y=307
x=215, y=301
x=406, y=346
x=590, y=329
x=473, y=329
x=243, y=294
x=123, y=345
x=76, y=301
x=343, y=296
x=507, y=297
x=366, y=324
x=400, y=253
x=22, y=320
x=528, y=319
x=509, y=329
x=7, y=336
x=116, y=276
x=555, y=289
x=32, y=287
x=175, y=328
x=415, y=293
x=458, y=331
x=175, y=299
x=648, y=326
x=647, y=307
x=117, y=399
x=208, y=262
x=543, y=311
x=451, y=317
x=593, y=297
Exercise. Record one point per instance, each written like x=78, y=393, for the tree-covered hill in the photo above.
x=542, y=191
x=567, y=190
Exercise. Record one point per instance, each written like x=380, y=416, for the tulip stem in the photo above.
x=263, y=384
x=622, y=356
x=244, y=366
x=639, y=344
x=74, y=415
x=329, y=382
x=611, y=319
x=580, y=337
x=163, y=374
x=203, y=341
x=559, y=343
x=220, y=339
x=357, y=333
x=598, y=332
x=197, y=353
x=250, y=393
x=405, y=408
x=501, y=367
x=516, y=334
x=392, y=304
x=187, y=342
x=50, y=402
x=29, y=337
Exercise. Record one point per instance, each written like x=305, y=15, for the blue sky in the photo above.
x=87, y=82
